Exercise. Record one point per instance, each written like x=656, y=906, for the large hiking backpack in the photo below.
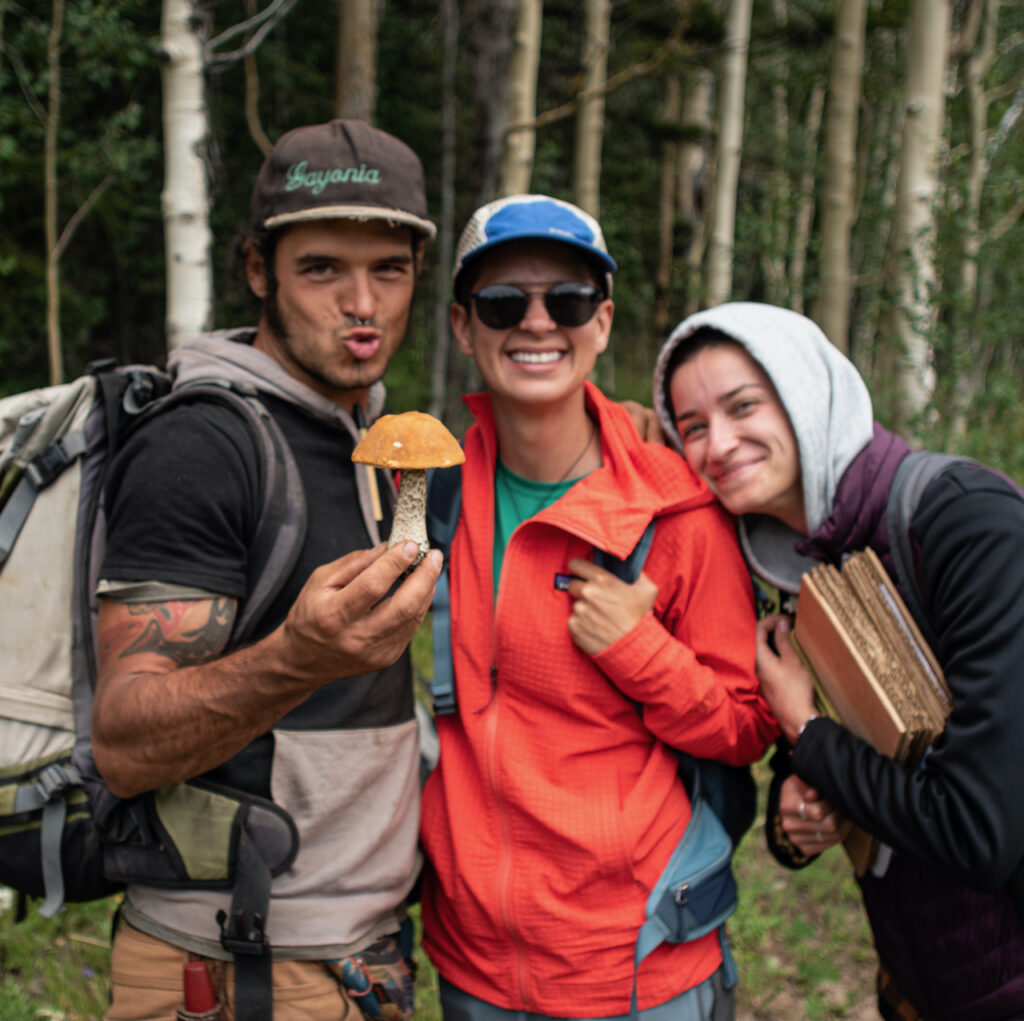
x=696, y=891
x=63, y=835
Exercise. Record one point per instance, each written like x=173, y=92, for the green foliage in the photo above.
x=112, y=271
x=60, y=965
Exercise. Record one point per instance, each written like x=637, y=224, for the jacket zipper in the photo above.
x=505, y=853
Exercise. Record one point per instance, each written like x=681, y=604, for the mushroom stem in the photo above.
x=411, y=511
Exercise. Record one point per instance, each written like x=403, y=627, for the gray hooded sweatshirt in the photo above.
x=828, y=406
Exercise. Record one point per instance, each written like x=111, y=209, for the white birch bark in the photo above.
x=729, y=150
x=590, y=115
x=517, y=163
x=913, y=314
x=185, y=198
x=832, y=309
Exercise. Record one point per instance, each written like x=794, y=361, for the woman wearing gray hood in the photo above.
x=780, y=426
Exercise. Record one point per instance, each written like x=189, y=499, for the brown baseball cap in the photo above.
x=343, y=169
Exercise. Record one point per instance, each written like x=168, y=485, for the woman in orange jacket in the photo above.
x=557, y=803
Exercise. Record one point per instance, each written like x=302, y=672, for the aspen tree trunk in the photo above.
x=776, y=230
x=873, y=358
x=356, y=82
x=971, y=367
x=913, y=316
x=805, y=202
x=832, y=309
x=586, y=183
x=729, y=150
x=185, y=198
x=517, y=165
x=55, y=352
x=695, y=179
x=666, y=211
x=490, y=30
x=446, y=227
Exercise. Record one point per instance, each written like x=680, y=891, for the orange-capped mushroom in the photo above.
x=410, y=443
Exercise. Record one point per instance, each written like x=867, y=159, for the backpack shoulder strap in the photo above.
x=276, y=544
x=628, y=570
x=281, y=523
x=912, y=478
x=444, y=500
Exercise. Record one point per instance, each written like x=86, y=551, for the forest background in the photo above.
x=856, y=160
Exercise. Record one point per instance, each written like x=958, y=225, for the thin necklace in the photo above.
x=579, y=456
x=511, y=485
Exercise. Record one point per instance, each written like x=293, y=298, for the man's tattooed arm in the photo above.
x=167, y=632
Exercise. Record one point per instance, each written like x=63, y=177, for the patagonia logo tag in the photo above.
x=300, y=176
x=562, y=581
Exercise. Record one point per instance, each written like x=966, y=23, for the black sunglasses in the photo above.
x=571, y=303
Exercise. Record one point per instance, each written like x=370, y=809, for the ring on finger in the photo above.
x=803, y=814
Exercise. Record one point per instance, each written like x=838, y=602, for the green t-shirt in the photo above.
x=515, y=500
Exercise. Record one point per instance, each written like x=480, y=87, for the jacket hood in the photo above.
x=827, y=403
x=647, y=480
x=229, y=355
x=206, y=356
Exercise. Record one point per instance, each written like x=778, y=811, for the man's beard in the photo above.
x=275, y=321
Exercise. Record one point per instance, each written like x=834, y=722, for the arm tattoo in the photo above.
x=198, y=645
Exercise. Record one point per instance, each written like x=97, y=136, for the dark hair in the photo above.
x=265, y=243
x=701, y=339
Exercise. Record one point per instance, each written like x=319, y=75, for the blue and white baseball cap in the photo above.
x=531, y=216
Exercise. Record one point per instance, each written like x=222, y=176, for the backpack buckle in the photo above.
x=681, y=893
x=52, y=781
x=243, y=932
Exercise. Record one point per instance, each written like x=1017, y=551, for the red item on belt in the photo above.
x=200, y=999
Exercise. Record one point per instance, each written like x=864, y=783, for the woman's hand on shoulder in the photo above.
x=605, y=608
x=647, y=423
x=785, y=683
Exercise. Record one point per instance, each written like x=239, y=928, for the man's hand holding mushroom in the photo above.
x=345, y=622
x=409, y=443
x=350, y=617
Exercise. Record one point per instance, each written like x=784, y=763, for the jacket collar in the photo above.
x=610, y=507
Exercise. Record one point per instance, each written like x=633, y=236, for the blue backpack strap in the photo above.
x=628, y=570
x=444, y=500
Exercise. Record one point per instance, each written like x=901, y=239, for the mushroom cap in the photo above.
x=410, y=440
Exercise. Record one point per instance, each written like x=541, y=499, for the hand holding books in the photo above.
x=811, y=823
x=873, y=671
x=785, y=681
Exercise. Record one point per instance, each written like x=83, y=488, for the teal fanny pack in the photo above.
x=695, y=893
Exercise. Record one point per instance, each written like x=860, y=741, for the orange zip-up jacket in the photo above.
x=555, y=805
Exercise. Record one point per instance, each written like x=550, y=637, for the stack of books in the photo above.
x=873, y=671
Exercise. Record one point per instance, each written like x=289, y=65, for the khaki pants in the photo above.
x=146, y=984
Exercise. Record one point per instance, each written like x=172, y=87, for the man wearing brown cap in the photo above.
x=313, y=719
